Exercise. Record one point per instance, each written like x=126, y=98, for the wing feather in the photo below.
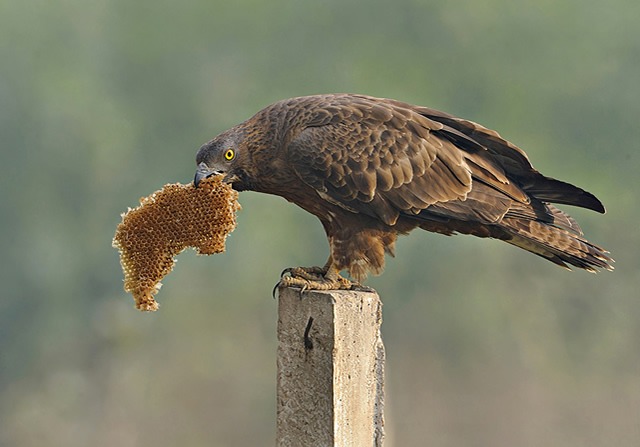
x=377, y=155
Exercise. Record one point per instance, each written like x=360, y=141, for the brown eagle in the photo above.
x=372, y=168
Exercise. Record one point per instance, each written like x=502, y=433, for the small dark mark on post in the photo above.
x=308, y=344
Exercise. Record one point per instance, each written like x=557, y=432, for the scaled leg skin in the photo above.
x=318, y=278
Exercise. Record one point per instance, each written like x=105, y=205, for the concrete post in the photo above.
x=330, y=369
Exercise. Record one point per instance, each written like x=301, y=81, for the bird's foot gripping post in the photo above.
x=330, y=369
x=318, y=278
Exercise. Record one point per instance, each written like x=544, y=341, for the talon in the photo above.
x=317, y=278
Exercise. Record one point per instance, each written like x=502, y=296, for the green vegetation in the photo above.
x=104, y=102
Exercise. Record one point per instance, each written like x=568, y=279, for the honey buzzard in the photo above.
x=372, y=168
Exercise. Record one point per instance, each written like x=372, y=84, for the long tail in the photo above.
x=556, y=237
x=537, y=227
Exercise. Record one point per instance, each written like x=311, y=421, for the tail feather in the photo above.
x=544, y=212
x=556, y=244
x=539, y=228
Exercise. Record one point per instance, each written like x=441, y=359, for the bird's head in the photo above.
x=219, y=156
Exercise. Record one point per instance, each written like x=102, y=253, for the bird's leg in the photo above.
x=318, y=278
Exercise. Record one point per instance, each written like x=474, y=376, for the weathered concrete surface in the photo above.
x=330, y=383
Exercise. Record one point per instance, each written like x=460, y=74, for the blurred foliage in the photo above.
x=103, y=102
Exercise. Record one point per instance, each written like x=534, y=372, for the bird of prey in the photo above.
x=371, y=169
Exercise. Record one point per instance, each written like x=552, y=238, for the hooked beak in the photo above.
x=202, y=173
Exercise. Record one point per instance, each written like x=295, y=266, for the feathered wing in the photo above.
x=378, y=160
x=513, y=160
x=537, y=226
x=391, y=161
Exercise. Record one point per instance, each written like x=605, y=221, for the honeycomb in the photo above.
x=166, y=222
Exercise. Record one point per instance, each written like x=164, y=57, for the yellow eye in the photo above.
x=229, y=155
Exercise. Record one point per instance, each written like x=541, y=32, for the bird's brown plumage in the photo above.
x=372, y=168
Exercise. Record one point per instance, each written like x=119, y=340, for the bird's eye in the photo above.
x=229, y=154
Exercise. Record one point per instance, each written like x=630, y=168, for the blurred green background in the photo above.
x=103, y=102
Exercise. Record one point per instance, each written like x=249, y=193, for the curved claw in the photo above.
x=291, y=281
x=286, y=271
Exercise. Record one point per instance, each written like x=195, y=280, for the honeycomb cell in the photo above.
x=167, y=222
